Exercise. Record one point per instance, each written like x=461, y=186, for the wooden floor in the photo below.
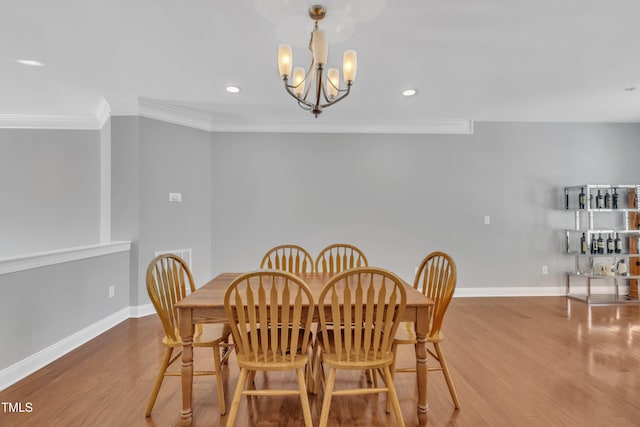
x=515, y=362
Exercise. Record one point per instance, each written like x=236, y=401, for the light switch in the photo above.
x=175, y=197
x=487, y=220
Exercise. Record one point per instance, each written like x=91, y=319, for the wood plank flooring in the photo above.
x=537, y=361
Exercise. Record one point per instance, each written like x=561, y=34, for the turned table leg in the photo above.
x=422, y=324
x=186, y=334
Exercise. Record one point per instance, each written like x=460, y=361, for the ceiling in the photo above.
x=492, y=60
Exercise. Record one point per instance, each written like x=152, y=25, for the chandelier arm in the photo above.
x=324, y=92
x=289, y=88
x=340, y=98
x=305, y=106
x=306, y=80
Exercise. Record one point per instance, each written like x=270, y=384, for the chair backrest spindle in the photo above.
x=436, y=278
x=369, y=303
x=167, y=279
x=271, y=313
x=340, y=257
x=291, y=258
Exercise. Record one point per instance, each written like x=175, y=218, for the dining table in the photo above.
x=206, y=305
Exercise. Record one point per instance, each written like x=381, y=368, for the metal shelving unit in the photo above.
x=587, y=263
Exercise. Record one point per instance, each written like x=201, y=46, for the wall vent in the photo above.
x=185, y=254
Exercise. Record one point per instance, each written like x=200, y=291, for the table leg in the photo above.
x=186, y=334
x=422, y=323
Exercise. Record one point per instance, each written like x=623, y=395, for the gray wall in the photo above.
x=396, y=196
x=50, y=183
x=125, y=190
x=174, y=159
x=41, y=306
x=50, y=186
x=399, y=197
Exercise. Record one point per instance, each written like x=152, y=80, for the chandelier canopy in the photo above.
x=313, y=90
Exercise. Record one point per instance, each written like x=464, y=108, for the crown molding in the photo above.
x=444, y=126
x=176, y=114
x=44, y=121
x=121, y=106
x=184, y=116
x=103, y=112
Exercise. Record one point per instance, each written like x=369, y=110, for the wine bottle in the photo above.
x=610, y=246
x=582, y=198
x=583, y=244
x=617, y=243
x=599, y=200
x=600, y=244
x=594, y=245
x=607, y=200
x=614, y=200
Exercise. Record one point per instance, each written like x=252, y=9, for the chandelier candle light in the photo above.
x=328, y=92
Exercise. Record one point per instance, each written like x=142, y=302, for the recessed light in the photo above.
x=30, y=62
x=409, y=92
x=233, y=89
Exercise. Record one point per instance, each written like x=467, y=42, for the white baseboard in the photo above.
x=139, y=311
x=532, y=291
x=22, y=369
x=26, y=367
x=536, y=291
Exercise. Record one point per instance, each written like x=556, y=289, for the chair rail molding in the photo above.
x=16, y=263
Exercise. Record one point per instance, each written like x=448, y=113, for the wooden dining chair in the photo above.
x=270, y=313
x=339, y=257
x=368, y=302
x=291, y=258
x=168, y=278
x=436, y=278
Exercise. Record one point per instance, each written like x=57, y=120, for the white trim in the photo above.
x=445, y=126
x=531, y=291
x=536, y=291
x=124, y=106
x=204, y=120
x=103, y=112
x=175, y=114
x=13, y=264
x=197, y=119
x=44, y=121
x=25, y=367
x=139, y=311
x=105, y=185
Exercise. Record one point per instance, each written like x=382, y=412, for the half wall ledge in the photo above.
x=28, y=261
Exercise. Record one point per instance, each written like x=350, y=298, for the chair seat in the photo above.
x=285, y=363
x=359, y=362
x=203, y=336
x=406, y=334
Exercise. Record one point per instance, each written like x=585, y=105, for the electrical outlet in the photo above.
x=112, y=291
x=545, y=269
x=487, y=220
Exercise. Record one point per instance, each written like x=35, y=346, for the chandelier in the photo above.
x=312, y=89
